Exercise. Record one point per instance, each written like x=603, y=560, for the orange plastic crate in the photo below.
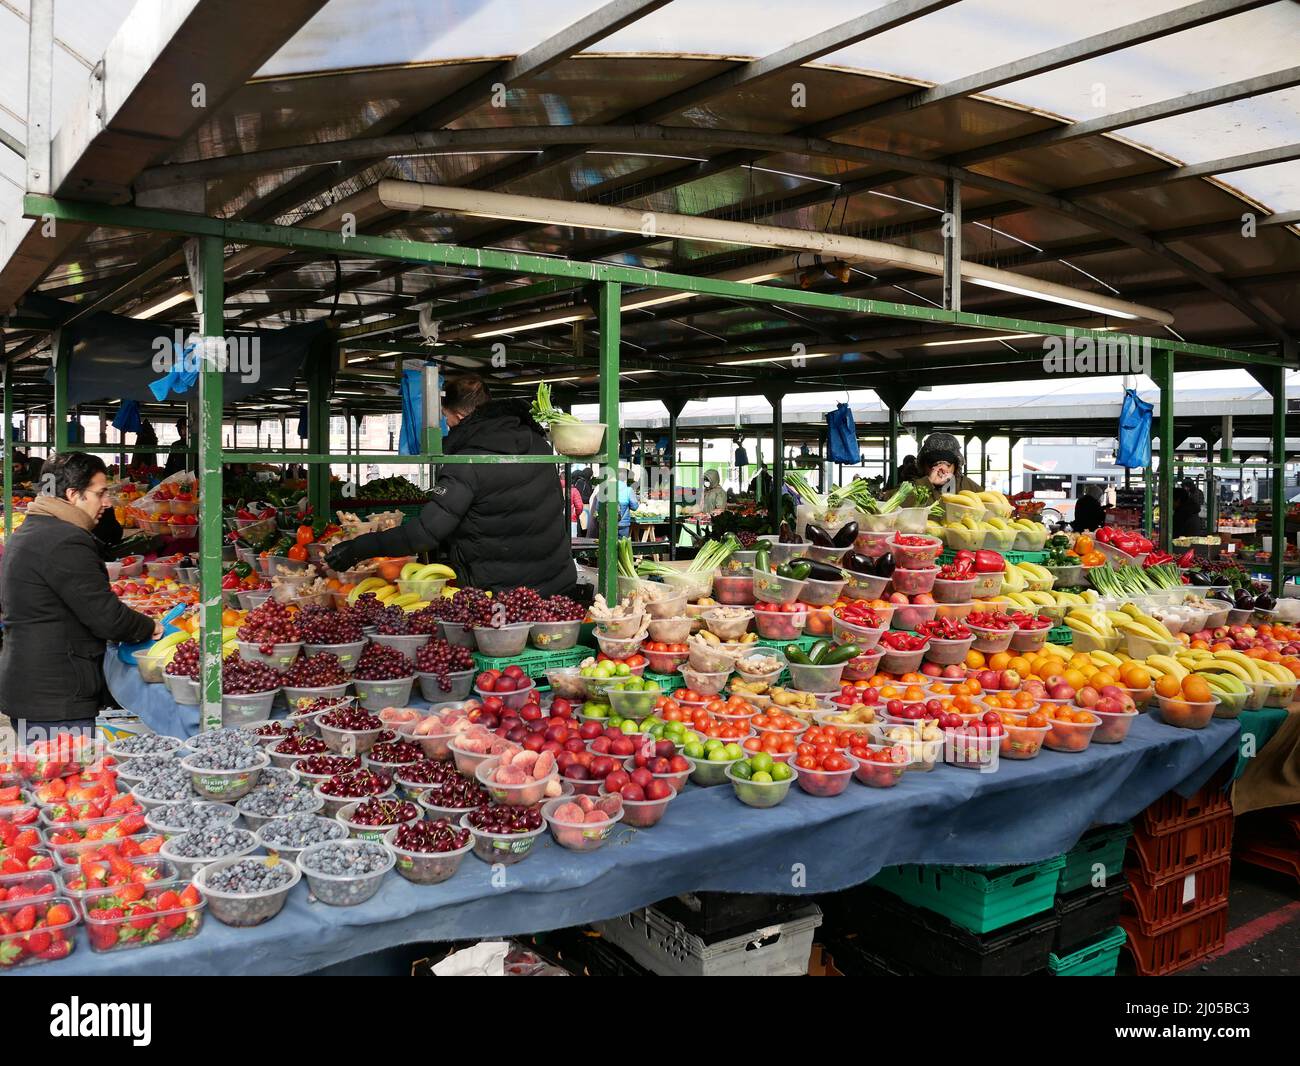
x=1163, y=858
x=1164, y=906
x=1284, y=860
x=1171, y=811
x=1177, y=947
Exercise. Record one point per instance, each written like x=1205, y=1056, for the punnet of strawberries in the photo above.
x=41, y=930
x=126, y=826
x=135, y=915
x=18, y=854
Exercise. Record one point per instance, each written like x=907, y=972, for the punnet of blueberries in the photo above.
x=189, y=817
x=347, y=858
x=150, y=766
x=275, y=777
x=301, y=831
x=215, y=737
x=249, y=877
x=147, y=744
x=276, y=802
x=231, y=756
x=210, y=843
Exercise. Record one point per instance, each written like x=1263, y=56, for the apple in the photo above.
x=516, y=671
x=589, y=730
x=988, y=679
x=1009, y=679
x=622, y=746
x=869, y=696
x=1108, y=705
x=602, y=767
x=504, y=684
x=553, y=746
x=574, y=744
x=922, y=599
x=600, y=745
x=678, y=764
x=561, y=708
x=1113, y=692
x=954, y=672
x=577, y=772
x=643, y=777
x=665, y=748
x=1034, y=687
x=1061, y=691
x=899, y=598
x=634, y=793
x=931, y=669
x=657, y=790
x=530, y=712
x=618, y=780
x=1087, y=696
x=494, y=705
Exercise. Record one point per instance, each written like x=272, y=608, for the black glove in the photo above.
x=346, y=555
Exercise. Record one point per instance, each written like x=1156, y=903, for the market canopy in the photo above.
x=1076, y=137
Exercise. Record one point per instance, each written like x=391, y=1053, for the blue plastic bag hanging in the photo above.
x=412, y=411
x=1134, y=432
x=302, y=421
x=127, y=419
x=842, y=436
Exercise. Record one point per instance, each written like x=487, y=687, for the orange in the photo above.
x=231, y=617
x=1135, y=676
x=1074, y=678
x=1196, y=689
x=999, y=660
x=1167, y=686
x=1020, y=665
x=1103, y=677
x=975, y=660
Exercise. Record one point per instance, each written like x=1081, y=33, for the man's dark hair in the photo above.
x=72, y=470
x=465, y=393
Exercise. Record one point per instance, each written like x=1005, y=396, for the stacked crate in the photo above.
x=1179, y=862
x=1271, y=839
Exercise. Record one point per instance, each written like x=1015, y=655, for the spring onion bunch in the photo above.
x=1121, y=582
x=544, y=414
x=1164, y=575
x=626, y=560
x=712, y=554
x=800, y=485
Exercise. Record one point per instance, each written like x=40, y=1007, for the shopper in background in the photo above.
x=760, y=486
x=1089, y=514
x=627, y=499
x=501, y=525
x=580, y=481
x=907, y=471
x=1187, y=513
x=939, y=465
x=57, y=606
x=577, y=505
x=178, y=461
x=713, y=497
x=145, y=437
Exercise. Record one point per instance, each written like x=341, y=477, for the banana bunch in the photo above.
x=1013, y=579
x=1108, y=658
x=1037, y=573
x=166, y=647
x=1160, y=665
x=426, y=572
x=1098, y=624
x=370, y=584
x=1133, y=622
x=967, y=498
x=933, y=529
x=992, y=521
x=996, y=502
x=1242, y=667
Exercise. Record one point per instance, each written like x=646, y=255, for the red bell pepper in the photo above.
x=989, y=562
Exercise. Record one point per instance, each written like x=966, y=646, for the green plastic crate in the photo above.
x=1060, y=635
x=979, y=898
x=1096, y=960
x=535, y=662
x=805, y=642
x=1104, y=846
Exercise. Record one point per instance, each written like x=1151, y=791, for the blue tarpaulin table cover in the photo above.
x=708, y=841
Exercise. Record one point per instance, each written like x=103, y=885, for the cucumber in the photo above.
x=817, y=653
x=842, y=654
x=796, y=655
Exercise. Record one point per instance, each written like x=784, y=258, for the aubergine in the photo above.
x=1200, y=577
x=820, y=571
x=819, y=536
x=846, y=535
x=885, y=566
x=1243, y=600
x=786, y=535
x=1220, y=594
x=1265, y=602
x=856, y=563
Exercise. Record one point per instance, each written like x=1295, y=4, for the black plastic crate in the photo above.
x=853, y=959
x=1087, y=915
x=912, y=940
x=716, y=915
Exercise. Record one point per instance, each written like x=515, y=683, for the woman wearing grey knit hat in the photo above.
x=940, y=466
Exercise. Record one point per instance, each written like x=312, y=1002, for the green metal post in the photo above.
x=608, y=314
x=675, y=406
x=1277, y=386
x=8, y=444
x=319, y=380
x=61, y=360
x=776, y=399
x=210, y=536
x=1162, y=366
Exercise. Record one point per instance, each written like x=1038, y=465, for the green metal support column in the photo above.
x=1162, y=369
x=320, y=377
x=675, y=406
x=61, y=362
x=776, y=399
x=1274, y=380
x=607, y=315
x=211, y=324
x=8, y=443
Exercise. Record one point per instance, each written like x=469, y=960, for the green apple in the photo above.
x=630, y=725
x=780, y=772
x=712, y=743
x=622, y=669
x=595, y=710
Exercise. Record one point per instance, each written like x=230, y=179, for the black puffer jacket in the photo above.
x=58, y=612
x=502, y=525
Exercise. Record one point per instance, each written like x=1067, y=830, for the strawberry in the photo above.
x=25, y=918
x=102, y=937
x=59, y=948
x=9, y=795
x=110, y=913
x=38, y=942
x=142, y=915
x=130, y=824
x=6, y=924
x=130, y=893
x=189, y=896
x=168, y=900
x=59, y=914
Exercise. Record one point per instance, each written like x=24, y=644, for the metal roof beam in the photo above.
x=139, y=102
x=1100, y=44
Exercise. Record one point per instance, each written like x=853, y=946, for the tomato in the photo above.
x=298, y=553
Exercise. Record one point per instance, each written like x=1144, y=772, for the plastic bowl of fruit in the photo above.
x=379, y=817
x=568, y=682
x=821, y=593
x=428, y=853
x=1073, y=734
x=1029, y=640
x=915, y=556
x=821, y=782
x=375, y=694
x=914, y=582
x=807, y=678
x=1021, y=741
x=947, y=652
x=343, y=873
x=952, y=590
x=621, y=628
x=504, y=641
x=760, y=793
x=515, y=698
x=286, y=837
x=901, y=662
x=629, y=703
x=526, y=793
x=1186, y=714
x=736, y=589
x=280, y=657
x=1114, y=725
x=710, y=683
x=780, y=624
x=190, y=852
x=773, y=588
x=247, y=890
x=351, y=741
x=991, y=641
x=212, y=782
x=504, y=835
x=881, y=765
x=138, y=747
x=460, y=684
x=863, y=666
x=468, y=762
x=580, y=829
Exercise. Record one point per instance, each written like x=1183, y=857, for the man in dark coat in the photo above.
x=501, y=525
x=57, y=606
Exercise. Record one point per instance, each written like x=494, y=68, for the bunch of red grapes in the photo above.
x=321, y=670
x=379, y=662
x=241, y=677
x=268, y=624
x=393, y=621
x=185, y=663
x=469, y=607
x=440, y=658
x=321, y=625
x=425, y=620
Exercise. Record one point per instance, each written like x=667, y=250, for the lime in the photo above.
x=780, y=772
x=630, y=725
x=693, y=751
x=761, y=760
x=595, y=710
x=622, y=669
x=734, y=751
x=740, y=770
x=761, y=777
x=713, y=743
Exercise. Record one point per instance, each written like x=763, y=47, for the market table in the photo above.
x=708, y=841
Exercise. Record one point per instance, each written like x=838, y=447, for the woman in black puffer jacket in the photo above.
x=500, y=525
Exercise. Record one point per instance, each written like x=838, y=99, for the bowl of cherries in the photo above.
x=349, y=730
x=371, y=819
x=428, y=852
x=504, y=834
x=342, y=789
x=383, y=677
